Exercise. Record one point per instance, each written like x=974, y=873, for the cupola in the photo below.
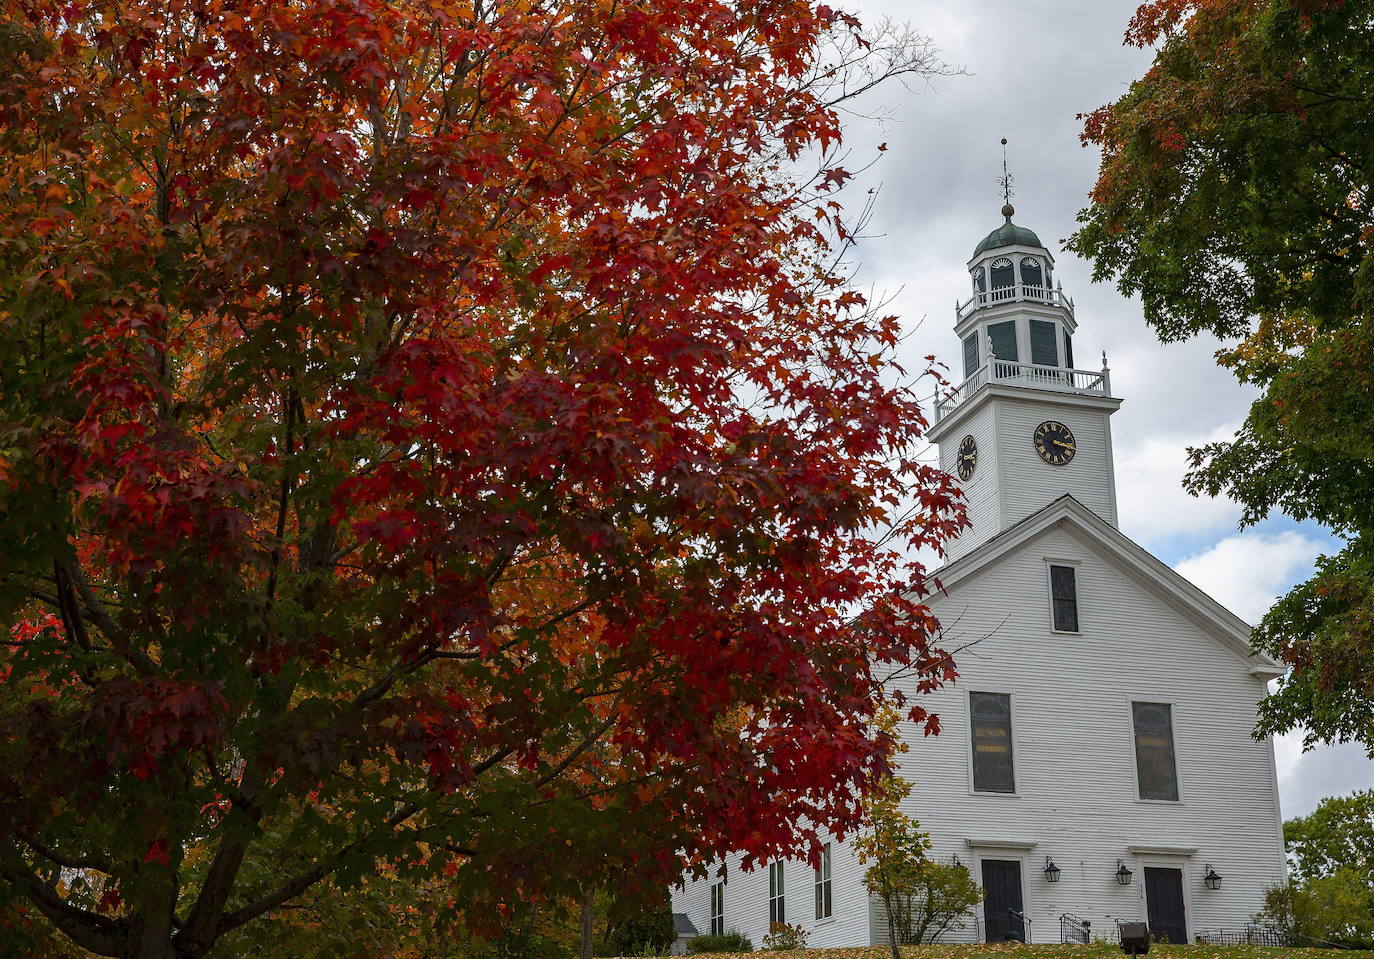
x=1016, y=313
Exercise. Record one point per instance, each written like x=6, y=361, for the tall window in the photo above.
x=776, y=913
x=718, y=909
x=1068, y=350
x=1064, y=598
x=992, y=761
x=1030, y=272
x=823, y=904
x=1154, y=750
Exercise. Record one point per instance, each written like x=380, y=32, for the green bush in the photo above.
x=1338, y=908
x=648, y=933
x=732, y=941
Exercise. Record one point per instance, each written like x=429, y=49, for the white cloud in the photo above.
x=1306, y=778
x=1153, y=505
x=1246, y=573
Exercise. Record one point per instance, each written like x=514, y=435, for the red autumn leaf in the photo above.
x=454, y=454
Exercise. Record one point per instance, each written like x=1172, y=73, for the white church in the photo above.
x=1096, y=763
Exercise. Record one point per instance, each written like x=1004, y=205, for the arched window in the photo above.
x=1002, y=273
x=1030, y=272
x=978, y=280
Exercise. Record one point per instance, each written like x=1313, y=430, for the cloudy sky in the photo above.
x=1031, y=69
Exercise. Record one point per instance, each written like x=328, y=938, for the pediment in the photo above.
x=1129, y=558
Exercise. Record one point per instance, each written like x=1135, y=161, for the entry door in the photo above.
x=1164, y=902
x=1002, y=884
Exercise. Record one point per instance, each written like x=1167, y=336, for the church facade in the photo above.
x=1095, y=763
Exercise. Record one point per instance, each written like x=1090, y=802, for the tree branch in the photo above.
x=99, y=934
x=67, y=862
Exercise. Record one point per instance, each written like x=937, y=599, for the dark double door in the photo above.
x=1003, y=907
x=1164, y=903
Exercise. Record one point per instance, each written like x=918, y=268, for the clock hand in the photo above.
x=1067, y=446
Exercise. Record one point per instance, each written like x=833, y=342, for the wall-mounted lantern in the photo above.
x=1051, y=870
x=1211, y=880
x=1123, y=875
x=958, y=863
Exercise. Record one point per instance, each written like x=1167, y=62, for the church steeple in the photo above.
x=1024, y=426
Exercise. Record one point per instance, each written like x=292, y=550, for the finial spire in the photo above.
x=1005, y=183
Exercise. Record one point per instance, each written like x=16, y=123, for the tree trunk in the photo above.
x=892, y=928
x=588, y=915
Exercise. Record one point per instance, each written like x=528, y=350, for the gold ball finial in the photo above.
x=1008, y=210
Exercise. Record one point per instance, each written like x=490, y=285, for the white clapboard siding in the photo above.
x=982, y=505
x=1026, y=482
x=746, y=900
x=1076, y=797
x=1011, y=481
x=1074, y=751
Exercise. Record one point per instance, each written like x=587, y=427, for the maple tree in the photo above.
x=437, y=447
x=1233, y=197
x=921, y=898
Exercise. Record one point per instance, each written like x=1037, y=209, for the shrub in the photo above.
x=732, y=941
x=646, y=933
x=782, y=936
x=1338, y=908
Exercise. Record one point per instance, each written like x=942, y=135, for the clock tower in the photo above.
x=1024, y=427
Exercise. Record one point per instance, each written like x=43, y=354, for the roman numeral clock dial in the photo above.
x=967, y=458
x=1054, y=442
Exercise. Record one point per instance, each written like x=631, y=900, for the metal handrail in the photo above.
x=1074, y=929
x=1025, y=921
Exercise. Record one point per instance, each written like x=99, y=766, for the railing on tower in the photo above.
x=1050, y=296
x=1093, y=382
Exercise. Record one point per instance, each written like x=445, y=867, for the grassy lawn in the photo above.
x=1094, y=951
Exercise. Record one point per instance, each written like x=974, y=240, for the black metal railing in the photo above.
x=1018, y=926
x=1260, y=934
x=1074, y=929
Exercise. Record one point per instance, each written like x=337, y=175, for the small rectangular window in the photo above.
x=776, y=912
x=1003, y=337
x=1064, y=598
x=1154, y=751
x=718, y=909
x=823, y=903
x=1044, y=349
x=990, y=715
x=970, y=355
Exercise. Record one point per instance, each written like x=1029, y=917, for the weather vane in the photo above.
x=1005, y=183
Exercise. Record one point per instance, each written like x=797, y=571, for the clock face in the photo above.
x=966, y=460
x=1054, y=442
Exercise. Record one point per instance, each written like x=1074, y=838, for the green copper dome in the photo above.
x=1008, y=234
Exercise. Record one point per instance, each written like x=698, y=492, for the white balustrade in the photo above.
x=1050, y=296
x=1058, y=378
